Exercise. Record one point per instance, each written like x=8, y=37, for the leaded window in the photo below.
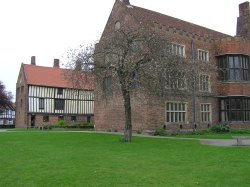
x=206, y=113
x=59, y=104
x=41, y=103
x=107, y=83
x=233, y=67
x=235, y=109
x=203, y=55
x=204, y=83
x=176, y=112
x=178, y=49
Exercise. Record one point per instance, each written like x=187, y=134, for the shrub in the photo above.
x=62, y=124
x=220, y=128
x=86, y=125
x=160, y=132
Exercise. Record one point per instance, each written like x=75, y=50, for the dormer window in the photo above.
x=117, y=26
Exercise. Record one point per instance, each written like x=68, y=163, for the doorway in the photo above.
x=33, y=120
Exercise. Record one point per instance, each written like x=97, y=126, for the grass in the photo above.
x=34, y=158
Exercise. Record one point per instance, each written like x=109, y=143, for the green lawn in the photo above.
x=89, y=159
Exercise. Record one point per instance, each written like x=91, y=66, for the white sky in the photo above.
x=48, y=28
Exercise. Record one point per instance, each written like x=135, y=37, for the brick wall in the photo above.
x=53, y=119
x=21, y=101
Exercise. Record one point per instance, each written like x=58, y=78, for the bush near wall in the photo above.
x=62, y=124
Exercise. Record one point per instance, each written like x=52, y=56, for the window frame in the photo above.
x=107, y=83
x=179, y=83
x=59, y=104
x=173, y=116
x=234, y=109
x=232, y=70
x=41, y=103
x=204, y=83
x=178, y=49
x=203, y=55
x=206, y=113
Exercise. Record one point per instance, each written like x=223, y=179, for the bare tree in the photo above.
x=80, y=66
x=137, y=60
x=5, y=97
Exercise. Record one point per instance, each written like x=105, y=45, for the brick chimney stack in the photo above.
x=243, y=21
x=56, y=63
x=33, y=60
x=125, y=2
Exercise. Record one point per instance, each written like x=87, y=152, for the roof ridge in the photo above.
x=44, y=66
x=166, y=20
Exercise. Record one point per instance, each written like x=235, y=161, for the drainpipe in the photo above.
x=193, y=84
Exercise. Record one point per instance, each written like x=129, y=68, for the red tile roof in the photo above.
x=173, y=22
x=51, y=77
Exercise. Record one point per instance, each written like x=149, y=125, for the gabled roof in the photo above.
x=50, y=77
x=172, y=22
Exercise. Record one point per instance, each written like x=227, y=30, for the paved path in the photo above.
x=213, y=142
x=225, y=142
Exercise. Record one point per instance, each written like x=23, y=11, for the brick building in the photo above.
x=222, y=63
x=44, y=96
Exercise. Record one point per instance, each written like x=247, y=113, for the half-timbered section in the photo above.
x=7, y=117
x=220, y=66
x=44, y=97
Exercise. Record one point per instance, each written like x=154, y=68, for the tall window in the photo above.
x=59, y=104
x=178, y=49
x=176, y=112
x=203, y=55
x=107, y=58
x=206, y=113
x=204, y=83
x=107, y=83
x=234, y=67
x=235, y=109
x=41, y=103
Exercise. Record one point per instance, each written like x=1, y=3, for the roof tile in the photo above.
x=51, y=77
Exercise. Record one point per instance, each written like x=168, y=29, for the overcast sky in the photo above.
x=48, y=28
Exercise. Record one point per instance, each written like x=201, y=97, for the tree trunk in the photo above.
x=128, y=121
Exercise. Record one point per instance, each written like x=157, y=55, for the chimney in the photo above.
x=56, y=63
x=243, y=21
x=33, y=60
x=244, y=9
x=125, y=2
